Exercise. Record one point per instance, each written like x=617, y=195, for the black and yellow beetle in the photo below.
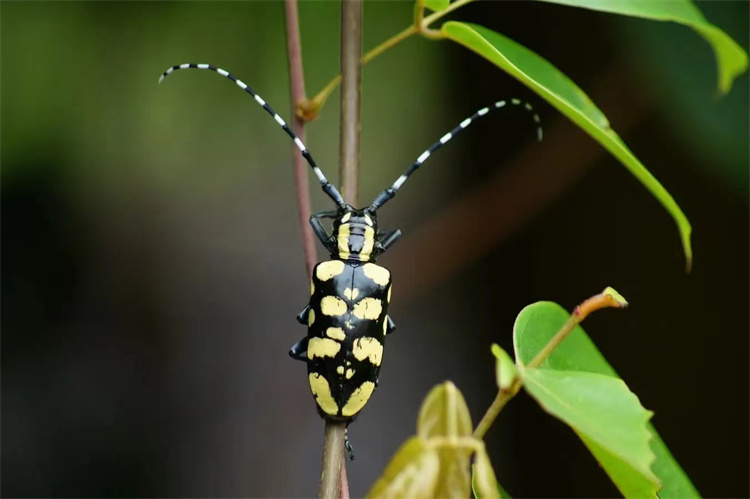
x=347, y=316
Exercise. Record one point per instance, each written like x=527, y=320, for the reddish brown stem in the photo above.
x=344, y=482
x=297, y=78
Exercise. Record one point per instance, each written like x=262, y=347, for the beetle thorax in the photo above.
x=355, y=232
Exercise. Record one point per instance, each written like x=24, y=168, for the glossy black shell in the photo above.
x=353, y=285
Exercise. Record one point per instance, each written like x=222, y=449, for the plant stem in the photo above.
x=344, y=482
x=389, y=43
x=422, y=27
x=437, y=15
x=351, y=50
x=553, y=343
x=296, y=75
x=502, y=398
x=351, y=77
x=609, y=298
x=333, y=458
x=321, y=97
x=334, y=437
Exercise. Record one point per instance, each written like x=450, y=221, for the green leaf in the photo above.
x=435, y=463
x=412, y=472
x=731, y=60
x=505, y=368
x=444, y=413
x=629, y=482
x=552, y=85
x=536, y=325
x=437, y=5
x=676, y=484
x=616, y=296
x=609, y=419
x=483, y=481
x=477, y=493
x=454, y=479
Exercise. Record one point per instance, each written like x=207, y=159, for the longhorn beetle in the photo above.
x=347, y=316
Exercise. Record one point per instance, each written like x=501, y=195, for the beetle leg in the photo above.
x=302, y=316
x=299, y=350
x=348, y=446
x=386, y=239
x=391, y=326
x=325, y=214
x=321, y=231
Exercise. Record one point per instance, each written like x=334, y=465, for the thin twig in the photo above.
x=320, y=98
x=606, y=299
x=351, y=51
x=502, y=398
x=421, y=26
x=344, y=482
x=333, y=458
x=296, y=75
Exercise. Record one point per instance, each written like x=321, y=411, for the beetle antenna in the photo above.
x=388, y=193
x=328, y=187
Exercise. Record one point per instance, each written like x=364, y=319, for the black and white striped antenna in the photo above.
x=328, y=187
x=388, y=193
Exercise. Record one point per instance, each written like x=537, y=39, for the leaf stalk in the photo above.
x=502, y=398
x=609, y=298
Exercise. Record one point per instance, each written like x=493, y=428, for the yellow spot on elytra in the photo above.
x=322, y=392
x=336, y=333
x=389, y=293
x=328, y=270
x=346, y=217
x=385, y=325
x=351, y=294
x=312, y=288
x=358, y=399
x=368, y=348
x=368, y=220
x=377, y=273
x=343, y=241
x=333, y=306
x=311, y=318
x=322, y=347
x=340, y=369
x=349, y=373
x=368, y=308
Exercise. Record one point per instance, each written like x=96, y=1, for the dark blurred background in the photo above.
x=152, y=264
